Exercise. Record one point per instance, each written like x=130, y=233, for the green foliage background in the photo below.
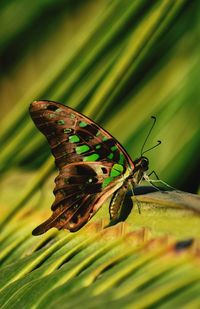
x=119, y=62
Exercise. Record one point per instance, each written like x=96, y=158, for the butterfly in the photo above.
x=92, y=166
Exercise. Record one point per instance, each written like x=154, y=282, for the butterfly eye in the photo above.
x=52, y=107
x=144, y=163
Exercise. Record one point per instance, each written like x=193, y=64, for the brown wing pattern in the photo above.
x=92, y=164
x=78, y=195
x=74, y=137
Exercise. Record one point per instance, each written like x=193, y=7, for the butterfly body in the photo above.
x=92, y=166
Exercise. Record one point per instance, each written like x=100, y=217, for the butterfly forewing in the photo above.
x=91, y=163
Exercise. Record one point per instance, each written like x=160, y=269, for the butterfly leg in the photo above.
x=137, y=202
x=151, y=181
x=154, y=173
x=158, y=180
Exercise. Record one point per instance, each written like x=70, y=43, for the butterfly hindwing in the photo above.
x=79, y=193
x=91, y=163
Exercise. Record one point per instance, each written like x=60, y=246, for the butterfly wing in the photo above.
x=91, y=163
x=78, y=195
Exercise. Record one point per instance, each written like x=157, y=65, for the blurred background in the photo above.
x=118, y=62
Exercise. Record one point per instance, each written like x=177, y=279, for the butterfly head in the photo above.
x=141, y=165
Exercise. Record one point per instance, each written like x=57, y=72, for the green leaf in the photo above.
x=119, y=62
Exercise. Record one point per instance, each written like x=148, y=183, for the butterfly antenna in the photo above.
x=158, y=143
x=146, y=139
